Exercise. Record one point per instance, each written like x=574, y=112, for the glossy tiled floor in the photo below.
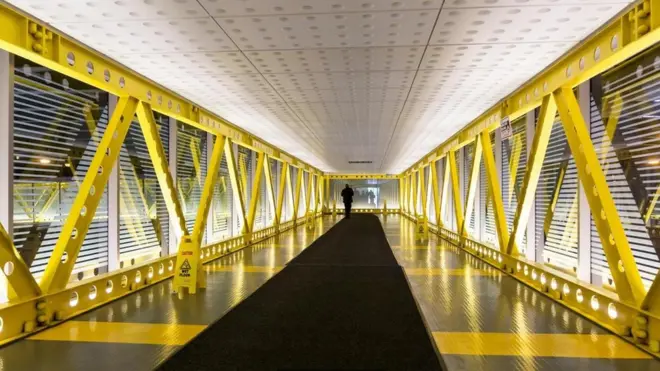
x=484, y=320
x=479, y=318
x=141, y=330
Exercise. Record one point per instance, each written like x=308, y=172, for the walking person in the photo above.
x=347, y=195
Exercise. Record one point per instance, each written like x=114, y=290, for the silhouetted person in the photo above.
x=372, y=198
x=347, y=195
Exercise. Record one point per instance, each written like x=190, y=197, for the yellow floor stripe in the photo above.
x=417, y=247
x=121, y=332
x=243, y=268
x=445, y=272
x=536, y=345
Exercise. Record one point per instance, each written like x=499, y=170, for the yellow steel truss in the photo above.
x=68, y=245
x=456, y=191
x=533, y=172
x=494, y=191
x=18, y=274
x=472, y=185
x=613, y=237
x=422, y=191
x=254, y=199
x=284, y=187
x=270, y=193
x=296, y=200
x=212, y=175
x=445, y=191
x=159, y=160
x=236, y=186
x=436, y=195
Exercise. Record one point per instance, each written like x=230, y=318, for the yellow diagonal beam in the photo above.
x=289, y=188
x=308, y=192
x=159, y=160
x=472, y=185
x=445, y=191
x=533, y=172
x=436, y=195
x=296, y=200
x=456, y=192
x=422, y=191
x=514, y=161
x=254, y=199
x=612, y=235
x=270, y=193
x=21, y=280
x=494, y=191
x=212, y=174
x=70, y=241
x=415, y=192
x=236, y=185
x=282, y=189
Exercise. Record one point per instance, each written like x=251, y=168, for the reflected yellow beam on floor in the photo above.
x=536, y=345
x=243, y=268
x=121, y=332
x=446, y=272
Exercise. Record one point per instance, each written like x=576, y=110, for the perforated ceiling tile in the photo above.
x=111, y=10
x=522, y=56
x=521, y=24
x=341, y=80
x=518, y=3
x=333, y=60
x=222, y=8
x=206, y=63
x=157, y=36
x=330, y=30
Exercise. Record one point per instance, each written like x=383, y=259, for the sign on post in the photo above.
x=421, y=229
x=506, y=131
x=188, y=268
x=310, y=220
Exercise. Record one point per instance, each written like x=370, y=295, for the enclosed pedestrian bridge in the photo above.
x=171, y=175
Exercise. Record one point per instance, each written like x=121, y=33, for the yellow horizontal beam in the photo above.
x=361, y=176
x=31, y=39
x=630, y=33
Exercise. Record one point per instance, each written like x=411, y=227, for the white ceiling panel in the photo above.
x=333, y=81
x=86, y=11
x=223, y=8
x=154, y=36
x=519, y=24
x=337, y=60
x=298, y=31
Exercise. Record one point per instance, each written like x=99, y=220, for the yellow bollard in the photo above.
x=385, y=207
x=334, y=208
x=310, y=220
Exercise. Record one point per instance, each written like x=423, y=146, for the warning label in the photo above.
x=184, y=270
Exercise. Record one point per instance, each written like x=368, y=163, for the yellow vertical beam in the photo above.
x=401, y=193
x=209, y=187
x=296, y=200
x=422, y=189
x=284, y=175
x=472, y=185
x=319, y=192
x=290, y=189
x=494, y=191
x=308, y=192
x=70, y=241
x=612, y=235
x=533, y=173
x=256, y=182
x=269, y=186
x=445, y=191
x=20, y=279
x=161, y=168
x=456, y=191
x=326, y=194
x=415, y=192
x=236, y=185
x=436, y=195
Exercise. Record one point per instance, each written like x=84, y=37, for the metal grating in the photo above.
x=58, y=123
x=630, y=157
